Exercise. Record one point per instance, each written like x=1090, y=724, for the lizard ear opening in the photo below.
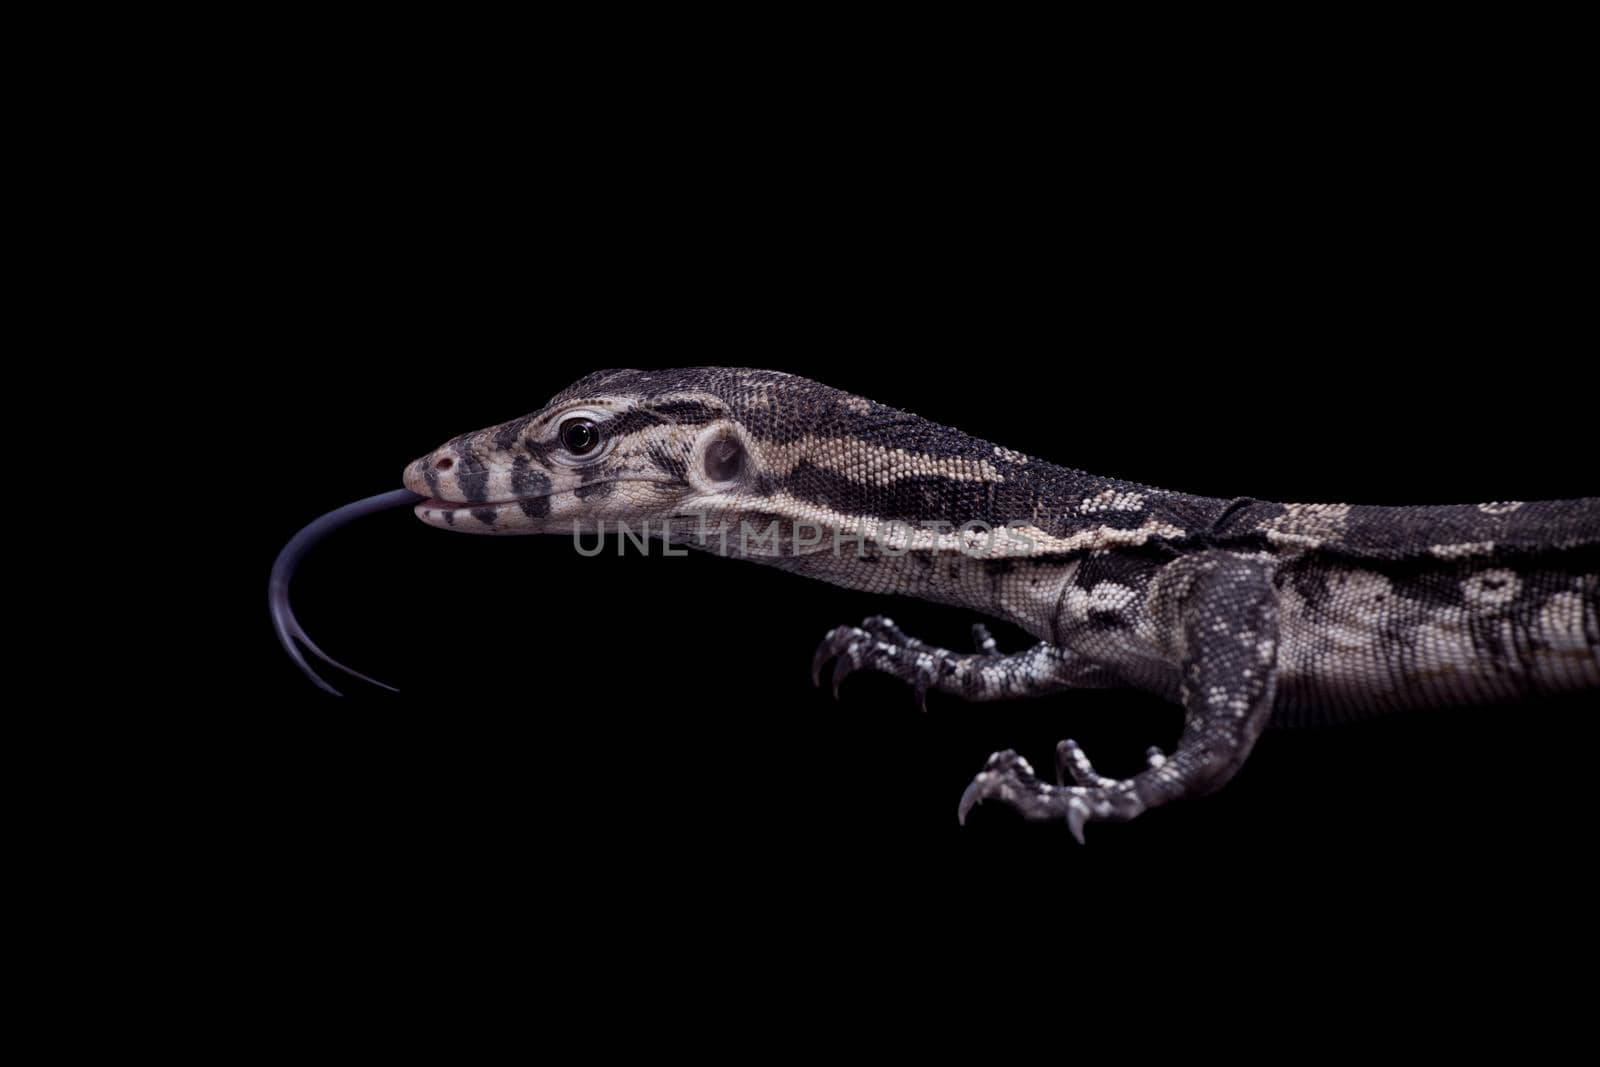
x=724, y=459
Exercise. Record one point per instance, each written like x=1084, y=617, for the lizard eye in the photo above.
x=579, y=436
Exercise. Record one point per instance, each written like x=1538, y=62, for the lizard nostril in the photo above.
x=445, y=464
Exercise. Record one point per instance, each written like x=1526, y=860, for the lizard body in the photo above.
x=1245, y=611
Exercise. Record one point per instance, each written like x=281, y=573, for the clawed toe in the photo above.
x=834, y=644
x=884, y=627
x=881, y=645
x=1008, y=778
x=1071, y=760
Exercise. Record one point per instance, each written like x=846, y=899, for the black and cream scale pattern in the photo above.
x=1245, y=611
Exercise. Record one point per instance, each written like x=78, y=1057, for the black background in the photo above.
x=629, y=748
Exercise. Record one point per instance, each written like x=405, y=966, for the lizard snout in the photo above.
x=434, y=475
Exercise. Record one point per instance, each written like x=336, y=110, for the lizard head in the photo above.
x=616, y=446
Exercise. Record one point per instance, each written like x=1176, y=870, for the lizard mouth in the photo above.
x=434, y=503
x=520, y=514
x=517, y=515
x=434, y=506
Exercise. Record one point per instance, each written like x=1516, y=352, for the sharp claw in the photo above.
x=843, y=667
x=1076, y=816
x=820, y=657
x=827, y=649
x=922, y=698
x=1061, y=762
x=969, y=799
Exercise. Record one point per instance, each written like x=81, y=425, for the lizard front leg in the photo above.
x=1223, y=613
x=987, y=674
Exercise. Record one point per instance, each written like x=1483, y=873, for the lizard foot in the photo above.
x=878, y=644
x=1008, y=778
x=1070, y=759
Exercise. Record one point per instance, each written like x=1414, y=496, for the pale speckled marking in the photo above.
x=1561, y=624
x=1112, y=500
x=1491, y=588
x=871, y=464
x=1105, y=596
x=1099, y=537
x=1308, y=525
x=1462, y=551
x=1354, y=598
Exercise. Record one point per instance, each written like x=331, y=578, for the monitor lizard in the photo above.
x=1245, y=611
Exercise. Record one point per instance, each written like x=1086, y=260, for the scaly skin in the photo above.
x=1245, y=611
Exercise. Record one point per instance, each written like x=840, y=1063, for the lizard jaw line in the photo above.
x=437, y=504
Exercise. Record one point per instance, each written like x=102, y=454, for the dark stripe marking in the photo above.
x=531, y=487
x=687, y=412
x=472, y=473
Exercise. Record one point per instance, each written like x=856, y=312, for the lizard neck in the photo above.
x=867, y=497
